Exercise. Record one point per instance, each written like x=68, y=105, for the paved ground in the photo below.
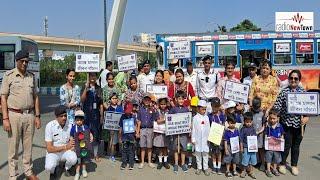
x=309, y=157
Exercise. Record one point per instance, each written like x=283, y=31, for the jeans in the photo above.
x=128, y=153
x=293, y=138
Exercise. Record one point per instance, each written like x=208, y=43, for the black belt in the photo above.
x=21, y=111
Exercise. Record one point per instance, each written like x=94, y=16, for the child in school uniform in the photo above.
x=135, y=110
x=259, y=121
x=231, y=159
x=275, y=130
x=230, y=110
x=249, y=159
x=239, y=114
x=183, y=138
x=217, y=116
x=200, y=134
x=147, y=114
x=112, y=136
x=79, y=126
x=160, y=140
x=127, y=137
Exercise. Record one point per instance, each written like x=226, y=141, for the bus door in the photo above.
x=253, y=50
x=252, y=56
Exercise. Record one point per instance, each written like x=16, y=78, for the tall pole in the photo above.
x=105, y=31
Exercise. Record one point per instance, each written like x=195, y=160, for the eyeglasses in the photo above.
x=294, y=78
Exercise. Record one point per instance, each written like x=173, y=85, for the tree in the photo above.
x=222, y=29
x=245, y=25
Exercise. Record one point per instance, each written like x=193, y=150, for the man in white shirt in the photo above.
x=145, y=78
x=103, y=75
x=207, y=81
x=252, y=68
x=59, y=146
x=191, y=76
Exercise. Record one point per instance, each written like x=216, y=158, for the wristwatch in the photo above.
x=38, y=116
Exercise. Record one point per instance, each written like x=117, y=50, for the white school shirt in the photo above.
x=248, y=80
x=56, y=134
x=144, y=79
x=207, y=90
x=200, y=132
x=103, y=78
x=192, y=78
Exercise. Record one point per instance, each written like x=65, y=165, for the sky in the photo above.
x=71, y=18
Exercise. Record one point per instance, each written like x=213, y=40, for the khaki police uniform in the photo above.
x=59, y=137
x=20, y=90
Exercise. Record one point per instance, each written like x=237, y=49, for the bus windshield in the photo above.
x=32, y=48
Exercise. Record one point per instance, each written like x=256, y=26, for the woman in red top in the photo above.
x=180, y=84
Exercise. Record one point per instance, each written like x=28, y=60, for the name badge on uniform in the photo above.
x=94, y=105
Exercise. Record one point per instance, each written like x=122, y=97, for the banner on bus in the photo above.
x=294, y=22
x=283, y=47
x=304, y=103
x=127, y=62
x=236, y=92
x=179, y=123
x=87, y=63
x=179, y=50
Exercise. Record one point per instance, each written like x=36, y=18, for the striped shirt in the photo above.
x=289, y=120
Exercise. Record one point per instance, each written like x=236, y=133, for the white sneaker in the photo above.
x=151, y=165
x=295, y=170
x=84, y=173
x=141, y=166
x=77, y=176
x=282, y=169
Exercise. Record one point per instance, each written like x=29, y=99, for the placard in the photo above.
x=274, y=144
x=252, y=142
x=236, y=92
x=159, y=128
x=204, y=49
x=159, y=91
x=303, y=103
x=179, y=50
x=234, y=144
x=128, y=126
x=283, y=47
x=127, y=62
x=216, y=133
x=179, y=123
x=87, y=63
x=111, y=120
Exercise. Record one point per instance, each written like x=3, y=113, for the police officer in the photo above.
x=21, y=113
x=207, y=81
x=59, y=146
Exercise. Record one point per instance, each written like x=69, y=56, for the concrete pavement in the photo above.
x=309, y=162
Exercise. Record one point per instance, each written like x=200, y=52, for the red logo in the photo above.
x=297, y=18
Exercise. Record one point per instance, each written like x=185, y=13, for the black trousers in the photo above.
x=293, y=138
x=128, y=153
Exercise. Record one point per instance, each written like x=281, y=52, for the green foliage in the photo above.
x=52, y=72
x=245, y=25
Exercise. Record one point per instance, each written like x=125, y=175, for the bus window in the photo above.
x=227, y=52
x=202, y=49
x=282, y=52
x=7, y=56
x=304, y=53
x=32, y=48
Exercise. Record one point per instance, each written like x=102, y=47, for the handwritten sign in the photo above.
x=127, y=62
x=179, y=123
x=178, y=50
x=236, y=92
x=303, y=103
x=234, y=144
x=252, y=142
x=128, y=126
x=159, y=128
x=87, y=63
x=216, y=133
x=111, y=120
x=159, y=91
x=274, y=144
